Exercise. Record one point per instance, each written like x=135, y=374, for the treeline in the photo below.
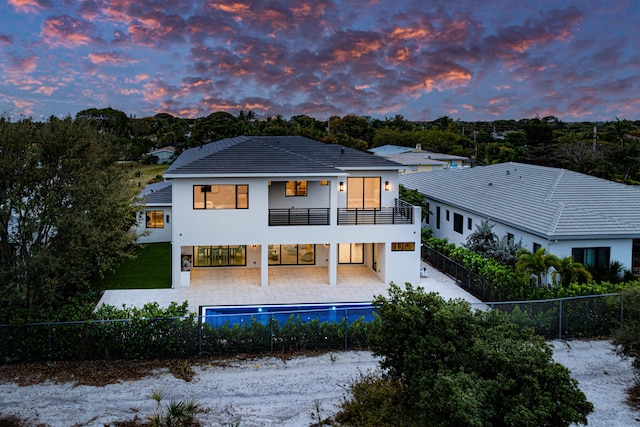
x=609, y=150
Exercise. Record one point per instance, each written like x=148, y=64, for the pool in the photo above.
x=242, y=314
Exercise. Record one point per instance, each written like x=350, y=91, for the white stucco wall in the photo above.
x=201, y=227
x=621, y=249
x=155, y=235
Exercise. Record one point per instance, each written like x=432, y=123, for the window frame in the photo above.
x=207, y=189
x=458, y=223
x=403, y=246
x=151, y=217
x=298, y=190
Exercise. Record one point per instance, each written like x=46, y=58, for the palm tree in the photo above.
x=570, y=271
x=537, y=263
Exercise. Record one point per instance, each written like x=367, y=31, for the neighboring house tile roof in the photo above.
x=414, y=159
x=549, y=202
x=158, y=193
x=169, y=149
x=269, y=155
x=385, y=150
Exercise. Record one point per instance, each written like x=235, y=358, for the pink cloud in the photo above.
x=46, y=90
x=23, y=65
x=66, y=31
x=30, y=6
x=111, y=58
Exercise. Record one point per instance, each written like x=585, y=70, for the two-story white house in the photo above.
x=568, y=213
x=273, y=201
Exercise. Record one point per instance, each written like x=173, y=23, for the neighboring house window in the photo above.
x=414, y=167
x=154, y=219
x=219, y=256
x=458, y=221
x=469, y=223
x=510, y=238
x=227, y=196
x=296, y=189
x=167, y=219
x=427, y=214
x=363, y=193
x=536, y=247
x=351, y=253
x=592, y=257
x=403, y=246
x=447, y=215
x=438, y=217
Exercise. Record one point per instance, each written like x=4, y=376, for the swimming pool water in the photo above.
x=218, y=316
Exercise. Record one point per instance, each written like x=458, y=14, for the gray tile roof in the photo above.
x=549, y=202
x=273, y=155
x=158, y=193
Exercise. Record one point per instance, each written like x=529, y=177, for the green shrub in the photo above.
x=450, y=365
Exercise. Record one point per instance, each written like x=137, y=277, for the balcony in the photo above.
x=299, y=216
x=401, y=213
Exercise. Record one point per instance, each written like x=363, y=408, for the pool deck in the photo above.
x=229, y=286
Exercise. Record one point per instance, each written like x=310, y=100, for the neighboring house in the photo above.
x=164, y=154
x=268, y=201
x=154, y=224
x=418, y=160
x=569, y=214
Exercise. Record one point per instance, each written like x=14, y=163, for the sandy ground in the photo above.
x=275, y=392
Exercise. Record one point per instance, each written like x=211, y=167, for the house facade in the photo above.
x=154, y=223
x=271, y=202
x=418, y=160
x=569, y=214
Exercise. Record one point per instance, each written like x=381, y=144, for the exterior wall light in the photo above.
x=341, y=187
x=386, y=186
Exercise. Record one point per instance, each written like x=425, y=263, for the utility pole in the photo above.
x=595, y=137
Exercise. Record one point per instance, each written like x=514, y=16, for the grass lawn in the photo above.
x=151, y=269
x=149, y=172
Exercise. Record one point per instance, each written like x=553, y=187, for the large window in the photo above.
x=300, y=254
x=438, y=217
x=363, y=193
x=591, y=257
x=219, y=256
x=403, y=246
x=296, y=189
x=458, y=221
x=226, y=196
x=154, y=219
x=351, y=253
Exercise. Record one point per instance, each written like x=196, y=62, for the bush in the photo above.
x=449, y=365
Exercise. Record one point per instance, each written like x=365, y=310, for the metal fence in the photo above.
x=142, y=338
x=466, y=279
x=564, y=318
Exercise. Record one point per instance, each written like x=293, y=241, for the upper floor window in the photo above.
x=296, y=189
x=227, y=196
x=363, y=192
x=154, y=219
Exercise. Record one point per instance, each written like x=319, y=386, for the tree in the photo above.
x=482, y=239
x=570, y=271
x=538, y=264
x=65, y=211
x=447, y=365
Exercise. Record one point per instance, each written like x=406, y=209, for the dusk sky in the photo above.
x=578, y=60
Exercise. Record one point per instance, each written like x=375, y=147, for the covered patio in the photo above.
x=287, y=285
